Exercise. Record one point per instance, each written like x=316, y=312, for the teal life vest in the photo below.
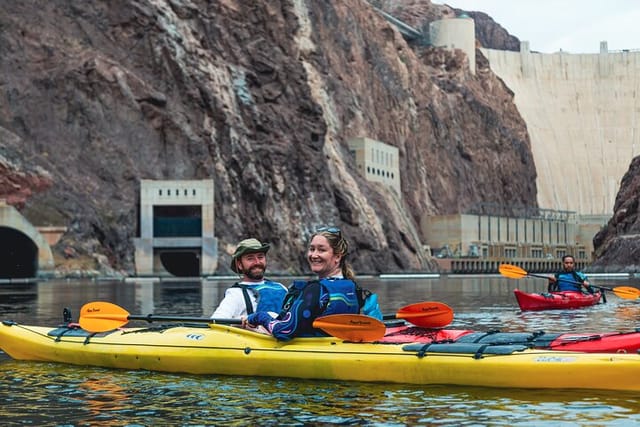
x=369, y=305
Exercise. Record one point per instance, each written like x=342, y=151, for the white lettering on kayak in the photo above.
x=196, y=337
x=555, y=359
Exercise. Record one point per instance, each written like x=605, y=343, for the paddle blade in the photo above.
x=429, y=314
x=100, y=316
x=351, y=327
x=512, y=271
x=626, y=292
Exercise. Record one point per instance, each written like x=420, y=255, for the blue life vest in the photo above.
x=270, y=296
x=307, y=301
x=339, y=296
x=566, y=279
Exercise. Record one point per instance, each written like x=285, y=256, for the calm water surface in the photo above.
x=63, y=395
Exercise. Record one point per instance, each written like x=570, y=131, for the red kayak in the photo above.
x=609, y=342
x=555, y=300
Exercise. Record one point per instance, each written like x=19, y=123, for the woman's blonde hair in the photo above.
x=340, y=247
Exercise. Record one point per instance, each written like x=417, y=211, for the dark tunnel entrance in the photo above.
x=181, y=263
x=18, y=255
x=179, y=223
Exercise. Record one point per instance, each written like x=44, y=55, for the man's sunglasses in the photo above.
x=332, y=230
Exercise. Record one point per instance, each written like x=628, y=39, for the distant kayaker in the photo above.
x=253, y=292
x=569, y=279
x=334, y=292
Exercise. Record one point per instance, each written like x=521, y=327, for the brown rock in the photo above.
x=18, y=178
x=617, y=246
x=261, y=96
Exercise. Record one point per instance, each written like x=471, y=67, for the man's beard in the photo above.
x=255, y=273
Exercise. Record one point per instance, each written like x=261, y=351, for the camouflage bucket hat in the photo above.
x=248, y=246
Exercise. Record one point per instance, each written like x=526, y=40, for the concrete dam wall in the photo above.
x=582, y=113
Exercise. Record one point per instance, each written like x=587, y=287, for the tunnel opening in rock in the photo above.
x=18, y=254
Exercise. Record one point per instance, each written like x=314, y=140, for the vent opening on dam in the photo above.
x=180, y=263
x=176, y=229
x=178, y=222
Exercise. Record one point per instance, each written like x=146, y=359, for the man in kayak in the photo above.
x=253, y=292
x=569, y=279
x=334, y=292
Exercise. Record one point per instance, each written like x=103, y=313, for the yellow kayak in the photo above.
x=230, y=350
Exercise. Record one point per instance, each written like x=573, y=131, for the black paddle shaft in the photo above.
x=157, y=318
x=571, y=281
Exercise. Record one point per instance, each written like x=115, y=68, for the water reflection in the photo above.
x=17, y=298
x=43, y=394
x=102, y=395
x=478, y=302
x=46, y=394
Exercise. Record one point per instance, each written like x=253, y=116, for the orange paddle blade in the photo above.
x=512, y=271
x=626, y=292
x=351, y=327
x=429, y=314
x=100, y=316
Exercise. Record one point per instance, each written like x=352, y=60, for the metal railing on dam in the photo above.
x=491, y=265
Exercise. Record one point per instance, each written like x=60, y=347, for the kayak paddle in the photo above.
x=361, y=328
x=351, y=327
x=515, y=272
x=427, y=314
x=101, y=316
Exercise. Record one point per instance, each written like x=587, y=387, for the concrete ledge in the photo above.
x=410, y=276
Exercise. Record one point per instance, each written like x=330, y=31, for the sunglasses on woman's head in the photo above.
x=332, y=230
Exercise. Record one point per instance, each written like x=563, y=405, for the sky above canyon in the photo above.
x=575, y=26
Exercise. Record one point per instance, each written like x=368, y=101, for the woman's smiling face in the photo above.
x=322, y=259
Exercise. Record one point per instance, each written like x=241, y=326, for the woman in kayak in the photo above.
x=334, y=292
x=569, y=279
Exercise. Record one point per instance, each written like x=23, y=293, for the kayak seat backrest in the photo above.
x=477, y=349
x=64, y=331
x=69, y=332
x=531, y=339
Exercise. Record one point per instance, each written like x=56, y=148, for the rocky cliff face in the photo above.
x=617, y=246
x=261, y=96
x=19, y=179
